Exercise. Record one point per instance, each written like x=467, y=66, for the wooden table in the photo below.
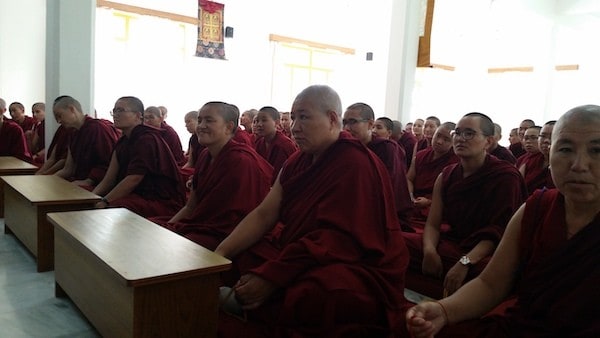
x=10, y=165
x=28, y=199
x=133, y=278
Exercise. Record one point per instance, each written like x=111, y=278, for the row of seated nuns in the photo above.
x=454, y=187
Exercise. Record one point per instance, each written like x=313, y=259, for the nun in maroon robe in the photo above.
x=276, y=151
x=340, y=250
x=12, y=141
x=170, y=136
x=225, y=189
x=537, y=172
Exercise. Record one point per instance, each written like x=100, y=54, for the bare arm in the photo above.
x=432, y=262
x=410, y=179
x=253, y=227
x=187, y=209
x=478, y=296
x=69, y=168
x=49, y=164
x=109, y=180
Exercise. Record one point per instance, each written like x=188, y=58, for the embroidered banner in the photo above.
x=210, y=30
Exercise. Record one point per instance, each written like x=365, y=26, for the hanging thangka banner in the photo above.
x=210, y=30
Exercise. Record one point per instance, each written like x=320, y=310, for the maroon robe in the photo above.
x=504, y=154
x=227, y=188
x=339, y=261
x=12, y=141
x=391, y=154
x=422, y=144
x=277, y=152
x=426, y=172
x=517, y=149
x=244, y=136
x=557, y=289
x=476, y=208
x=537, y=176
x=91, y=148
x=162, y=190
x=60, y=142
x=28, y=123
x=170, y=136
x=408, y=141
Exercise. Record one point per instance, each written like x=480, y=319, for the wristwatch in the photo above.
x=465, y=260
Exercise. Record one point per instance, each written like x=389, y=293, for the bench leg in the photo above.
x=59, y=292
x=7, y=229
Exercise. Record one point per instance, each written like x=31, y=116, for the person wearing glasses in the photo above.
x=143, y=175
x=472, y=202
x=90, y=145
x=153, y=117
x=336, y=267
x=359, y=121
x=534, y=165
x=546, y=264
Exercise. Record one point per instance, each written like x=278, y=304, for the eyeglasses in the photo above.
x=352, y=122
x=465, y=134
x=119, y=111
x=530, y=137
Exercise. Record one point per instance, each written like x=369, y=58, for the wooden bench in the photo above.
x=28, y=199
x=10, y=165
x=133, y=278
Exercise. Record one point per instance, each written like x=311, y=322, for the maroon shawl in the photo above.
x=427, y=170
x=479, y=207
x=278, y=151
x=537, y=176
x=12, y=141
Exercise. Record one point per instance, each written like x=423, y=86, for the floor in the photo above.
x=28, y=307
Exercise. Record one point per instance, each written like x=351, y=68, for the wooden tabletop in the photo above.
x=48, y=189
x=13, y=165
x=141, y=252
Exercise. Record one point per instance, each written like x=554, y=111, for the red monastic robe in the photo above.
x=476, y=208
x=277, y=152
x=504, y=154
x=426, y=172
x=557, y=290
x=162, y=190
x=517, y=149
x=244, y=136
x=91, y=148
x=227, y=188
x=170, y=136
x=27, y=124
x=537, y=176
x=339, y=260
x=12, y=141
x=392, y=156
x=408, y=141
x=60, y=142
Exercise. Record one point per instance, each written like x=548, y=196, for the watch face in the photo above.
x=464, y=260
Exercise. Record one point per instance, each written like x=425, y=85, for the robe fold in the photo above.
x=504, y=154
x=537, y=175
x=339, y=260
x=392, y=156
x=427, y=170
x=227, y=189
x=162, y=190
x=277, y=151
x=172, y=139
x=13, y=142
x=27, y=124
x=408, y=141
x=476, y=208
x=244, y=136
x=60, y=142
x=557, y=287
x=91, y=148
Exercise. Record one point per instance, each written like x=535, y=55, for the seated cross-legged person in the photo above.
x=359, y=121
x=229, y=181
x=337, y=267
x=271, y=143
x=474, y=198
x=143, y=175
x=153, y=118
x=535, y=166
x=547, y=259
x=91, y=143
x=424, y=170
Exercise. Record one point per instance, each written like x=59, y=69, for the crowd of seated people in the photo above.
x=328, y=215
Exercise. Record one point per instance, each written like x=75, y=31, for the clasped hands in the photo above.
x=252, y=291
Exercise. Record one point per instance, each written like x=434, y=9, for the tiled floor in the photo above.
x=28, y=307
